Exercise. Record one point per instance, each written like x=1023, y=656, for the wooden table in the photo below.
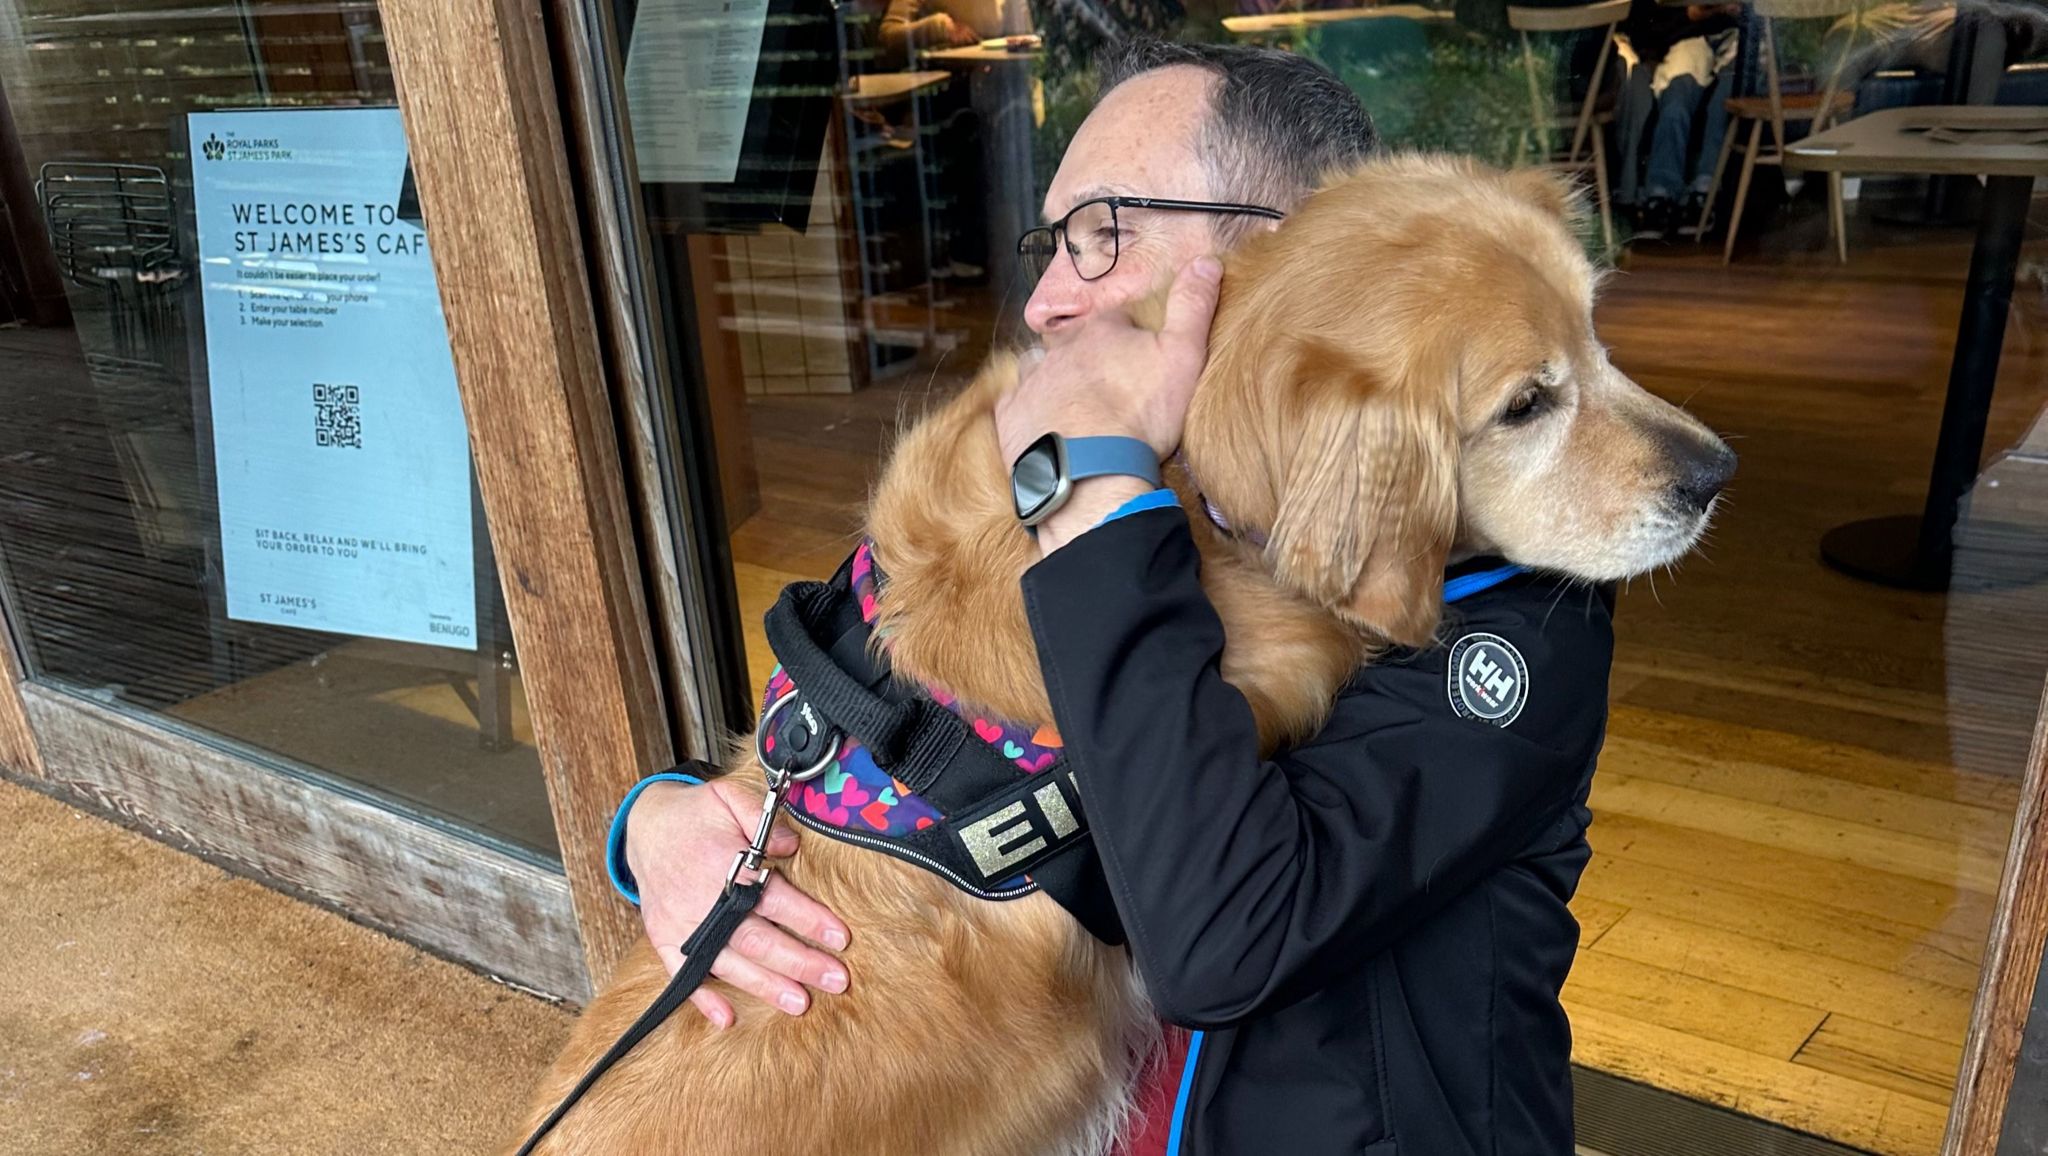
x=983, y=53
x=1270, y=23
x=882, y=87
x=2009, y=147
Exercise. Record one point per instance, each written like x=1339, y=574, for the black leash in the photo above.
x=699, y=952
x=734, y=904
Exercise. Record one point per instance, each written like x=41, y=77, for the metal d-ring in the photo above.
x=818, y=726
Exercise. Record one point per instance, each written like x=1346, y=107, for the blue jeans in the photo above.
x=1671, y=171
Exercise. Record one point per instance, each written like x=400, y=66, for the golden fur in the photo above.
x=1362, y=359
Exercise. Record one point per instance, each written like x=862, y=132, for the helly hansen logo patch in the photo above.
x=1488, y=680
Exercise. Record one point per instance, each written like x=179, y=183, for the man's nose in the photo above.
x=1058, y=301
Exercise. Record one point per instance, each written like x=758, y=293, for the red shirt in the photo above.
x=1158, y=1088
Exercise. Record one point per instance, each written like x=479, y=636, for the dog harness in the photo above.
x=988, y=805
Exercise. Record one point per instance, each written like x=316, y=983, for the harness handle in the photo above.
x=805, y=612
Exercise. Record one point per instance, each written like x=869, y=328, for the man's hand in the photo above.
x=1111, y=377
x=680, y=840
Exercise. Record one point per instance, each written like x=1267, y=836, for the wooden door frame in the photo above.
x=2012, y=963
x=18, y=750
x=480, y=101
x=686, y=586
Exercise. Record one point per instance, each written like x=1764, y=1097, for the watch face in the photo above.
x=1038, y=480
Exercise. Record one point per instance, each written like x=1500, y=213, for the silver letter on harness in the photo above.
x=1054, y=805
x=990, y=840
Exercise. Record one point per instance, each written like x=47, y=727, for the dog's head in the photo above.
x=1407, y=369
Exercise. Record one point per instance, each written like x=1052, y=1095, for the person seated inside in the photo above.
x=1678, y=59
x=1920, y=41
x=951, y=168
x=913, y=26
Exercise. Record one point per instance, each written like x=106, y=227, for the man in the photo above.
x=1371, y=930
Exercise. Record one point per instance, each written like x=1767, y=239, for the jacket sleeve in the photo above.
x=1246, y=884
x=615, y=842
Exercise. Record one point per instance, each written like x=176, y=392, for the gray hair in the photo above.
x=1278, y=124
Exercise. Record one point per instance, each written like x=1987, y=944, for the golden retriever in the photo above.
x=1404, y=374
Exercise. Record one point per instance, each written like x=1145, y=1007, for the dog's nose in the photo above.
x=1700, y=469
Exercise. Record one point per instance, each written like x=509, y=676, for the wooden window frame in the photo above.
x=480, y=101
x=2012, y=964
x=18, y=750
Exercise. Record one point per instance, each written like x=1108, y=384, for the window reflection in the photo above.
x=1804, y=801
x=180, y=514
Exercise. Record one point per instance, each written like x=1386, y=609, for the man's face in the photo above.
x=1139, y=142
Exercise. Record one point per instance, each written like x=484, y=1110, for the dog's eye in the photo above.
x=1525, y=405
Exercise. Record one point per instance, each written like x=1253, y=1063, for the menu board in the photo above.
x=689, y=82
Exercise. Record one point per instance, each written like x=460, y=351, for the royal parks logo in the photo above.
x=243, y=148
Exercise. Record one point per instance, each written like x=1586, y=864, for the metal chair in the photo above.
x=113, y=227
x=1588, y=122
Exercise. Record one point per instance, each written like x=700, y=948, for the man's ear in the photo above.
x=1368, y=495
x=1149, y=312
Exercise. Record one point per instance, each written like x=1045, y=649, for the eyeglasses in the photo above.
x=1092, y=235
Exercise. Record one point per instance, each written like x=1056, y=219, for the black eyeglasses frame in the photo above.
x=1054, y=233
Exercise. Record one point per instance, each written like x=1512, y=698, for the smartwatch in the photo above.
x=1043, y=476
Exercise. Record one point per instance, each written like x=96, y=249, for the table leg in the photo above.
x=1003, y=99
x=1914, y=553
x=1974, y=39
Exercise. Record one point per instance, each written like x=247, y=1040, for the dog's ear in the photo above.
x=1368, y=501
x=1552, y=192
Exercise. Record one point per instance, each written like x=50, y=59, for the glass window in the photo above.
x=1818, y=724
x=235, y=487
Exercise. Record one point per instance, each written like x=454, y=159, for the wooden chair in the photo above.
x=1775, y=108
x=1588, y=122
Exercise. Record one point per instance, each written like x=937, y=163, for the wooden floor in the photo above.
x=1791, y=884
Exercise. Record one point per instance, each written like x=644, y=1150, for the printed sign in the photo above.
x=689, y=82
x=340, y=456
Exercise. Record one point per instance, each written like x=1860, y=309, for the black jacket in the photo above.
x=1370, y=929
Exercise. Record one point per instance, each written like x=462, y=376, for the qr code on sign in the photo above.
x=337, y=416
